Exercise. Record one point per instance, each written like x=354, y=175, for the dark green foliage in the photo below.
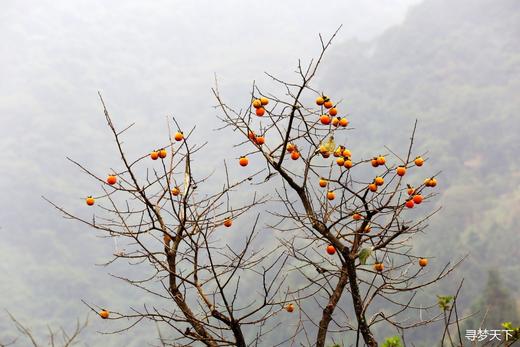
x=495, y=305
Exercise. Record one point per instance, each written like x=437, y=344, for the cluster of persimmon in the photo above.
x=415, y=198
x=343, y=158
x=111, y=180
x=377, y=182
x=332, y=114
x=430, y=182
x=259, y=140
x=293, y=150
x=159, y=153
x=342, y=154
x=379, y=266
x=259, y=104
x=377, y=161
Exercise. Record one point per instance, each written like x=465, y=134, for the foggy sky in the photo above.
x=150, y=60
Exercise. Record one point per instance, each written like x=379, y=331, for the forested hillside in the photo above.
x=454, y=66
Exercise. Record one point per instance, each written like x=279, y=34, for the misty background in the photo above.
x=453, y=65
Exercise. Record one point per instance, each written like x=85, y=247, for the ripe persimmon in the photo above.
x=264, y=100
x=257, y=103
x=162, y=153
x=346, y=153
x=228, y=222
x=295, y=155
x=348, y=163
x=179, y=136
x=356, y=216
x=176, y=191
x=323, y=182
x=260, y=140
x=379, y=181
x=243, y=161
x=410, y=203
x=410, y=190
x=381, y=160
x=331, y=249
x=417, y=199
x=166, y=240
x=320, y=100
x=367, y=229
x=290, y=147
x=372, y=187
x=328, y=104
x=419, y=161
x=111, y=179
x=401, y=170
x=104, y=314
x=343, y=122
x=251, y=135
x=90, y=200
x=331, y=195
x=379, y=267
x=340, y=161
x=333, y=111
x=260, y=111
x=433, y=182
x=335, y=121
x=423, y=262
x=325, y=119
x=289, y=308
x=374, y=162
x=154, y=155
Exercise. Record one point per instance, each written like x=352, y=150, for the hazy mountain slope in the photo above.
x=455, y=66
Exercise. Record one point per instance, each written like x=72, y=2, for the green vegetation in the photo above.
x=394, y=341
x=494, y=306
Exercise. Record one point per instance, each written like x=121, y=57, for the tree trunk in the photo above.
x=331, y=306
x=358, y=303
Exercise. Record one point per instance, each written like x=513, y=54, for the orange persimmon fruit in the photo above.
x=243, y=161
x=401, y=170
x=111, y=179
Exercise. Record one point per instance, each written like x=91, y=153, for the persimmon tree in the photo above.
x=342, y=226
x=55, y=337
